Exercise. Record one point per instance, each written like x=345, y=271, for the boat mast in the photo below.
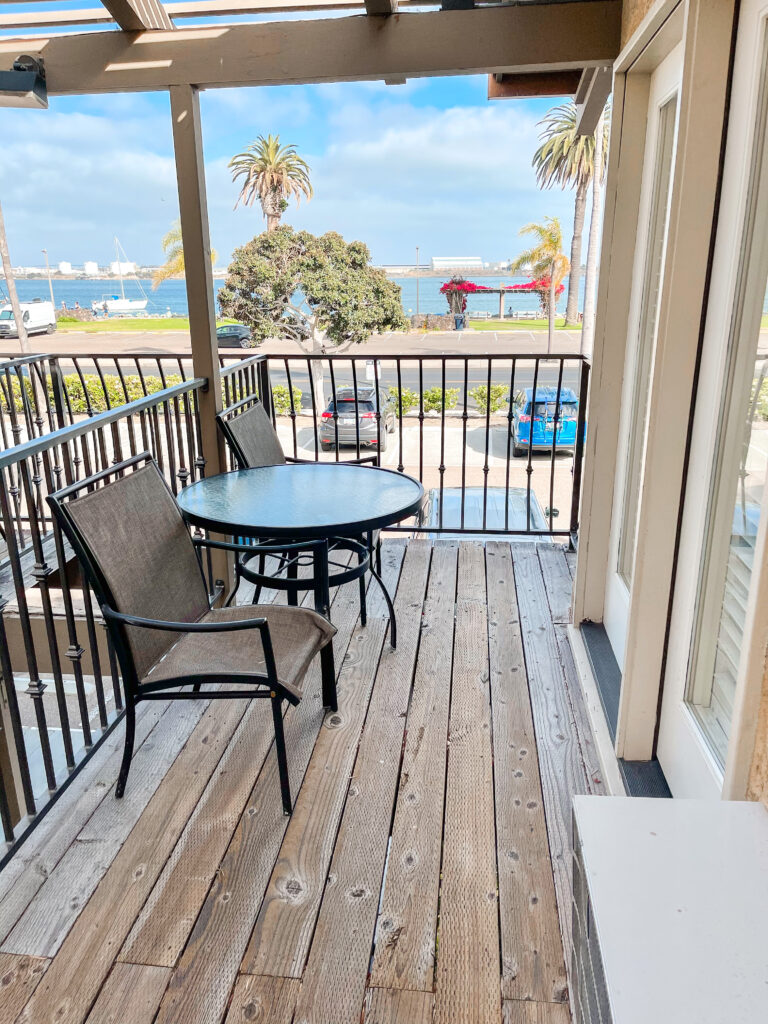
x=119, y=268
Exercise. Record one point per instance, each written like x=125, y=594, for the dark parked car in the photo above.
x=429, y=516
x=234, y=335
x=364, y=425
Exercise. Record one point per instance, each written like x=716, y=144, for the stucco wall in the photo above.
x=758, y=778
x=632, y=13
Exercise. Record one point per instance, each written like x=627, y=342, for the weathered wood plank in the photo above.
x=41, y=929
x=19, y=977
x=283, y=933
x=407, y=926
x=580, y=716
x=562, y=771
x=468, y=969
x=75, y=977
x=202, y=983
x=42, y=851
x=398, y=1006
x=260, y=1000
x=131, y=995
x=334, y=979
x=516, y=1012
x=531, y=948
x=558, y=582
x=570, y=558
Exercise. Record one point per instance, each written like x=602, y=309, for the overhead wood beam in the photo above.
x=541, y=83
x=66, y=17
x=591, y=96
x=380, y=8
x=138, y=15
x=525, y=38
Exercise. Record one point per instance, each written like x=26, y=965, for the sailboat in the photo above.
x=116, y=305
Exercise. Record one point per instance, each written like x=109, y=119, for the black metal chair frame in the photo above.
x=116, y=622
x=363, y=546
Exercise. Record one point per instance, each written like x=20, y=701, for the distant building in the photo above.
x=446, y=263
x=90, y=268
x=120, y=267
x=65, y=267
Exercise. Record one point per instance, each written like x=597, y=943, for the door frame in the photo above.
x=691, y=768
x=707, y=30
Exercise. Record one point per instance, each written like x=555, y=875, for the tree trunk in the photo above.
x=12, y=294
x=271, y=205
x=574, y=277
x=273, y=221
x=552, y=310
x=590, y=283
x=318, y=376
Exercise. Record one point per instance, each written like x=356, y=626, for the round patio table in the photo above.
x=335, y=502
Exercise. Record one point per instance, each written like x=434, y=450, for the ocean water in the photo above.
x=171, y=296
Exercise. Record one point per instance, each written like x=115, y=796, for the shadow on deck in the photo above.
x=425, y=872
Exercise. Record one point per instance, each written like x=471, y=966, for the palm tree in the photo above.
x=546, y=260
x=272, y=174
x=174, y=256
x=568, y=160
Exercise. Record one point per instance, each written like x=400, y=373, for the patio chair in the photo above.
x=144, y=567
x=253, y=441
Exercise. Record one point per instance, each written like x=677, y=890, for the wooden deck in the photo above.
x=424, y=875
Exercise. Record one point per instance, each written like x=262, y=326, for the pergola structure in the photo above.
x=144, y=49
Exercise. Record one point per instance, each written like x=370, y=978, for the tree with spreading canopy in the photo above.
x=322, y=292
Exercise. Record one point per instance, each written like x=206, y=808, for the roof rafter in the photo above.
x=138, y=15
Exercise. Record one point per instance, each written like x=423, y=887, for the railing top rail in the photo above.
x=40, y=444
x=447, y=357
x=241, y=364
x=11, y=362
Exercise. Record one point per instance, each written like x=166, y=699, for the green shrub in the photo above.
x=410, y=399
x=499, y=396
x=433, y=399
x=79, y=398
x=281, y=399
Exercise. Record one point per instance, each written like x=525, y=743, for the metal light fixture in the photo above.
x=24, y=86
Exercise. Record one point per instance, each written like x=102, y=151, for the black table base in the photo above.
x=332, y=574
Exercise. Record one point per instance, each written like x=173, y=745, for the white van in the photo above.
x=39, y=318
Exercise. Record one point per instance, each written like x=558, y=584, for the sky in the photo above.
x=431, y=163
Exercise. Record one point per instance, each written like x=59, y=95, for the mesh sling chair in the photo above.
x=253, y=441
x=145, y=570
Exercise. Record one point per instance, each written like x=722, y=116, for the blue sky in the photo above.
x=431, y=163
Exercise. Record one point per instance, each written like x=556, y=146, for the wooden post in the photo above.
x=11, y=283
x=193, y=213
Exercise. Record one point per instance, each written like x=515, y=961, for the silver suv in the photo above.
x=342, y=410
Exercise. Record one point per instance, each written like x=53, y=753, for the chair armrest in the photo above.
x=169, y=626
x=364, y=459
x=300, y=462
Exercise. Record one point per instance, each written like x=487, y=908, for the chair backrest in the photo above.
x=138, y=554
x=251, y=435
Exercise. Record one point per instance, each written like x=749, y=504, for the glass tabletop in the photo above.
x=320, y=499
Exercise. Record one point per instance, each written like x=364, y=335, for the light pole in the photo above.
x=417, y=282
x=48, y=271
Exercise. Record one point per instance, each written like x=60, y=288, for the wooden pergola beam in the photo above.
x=591, y=96
x=67, y=17
x=380, y=8
x=525, y=38
x=139, y=15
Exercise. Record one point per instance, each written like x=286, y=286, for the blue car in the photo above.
x=533, y=423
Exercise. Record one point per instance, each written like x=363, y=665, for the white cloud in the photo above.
x=386, y=170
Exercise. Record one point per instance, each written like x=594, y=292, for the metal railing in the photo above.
x=453, y=428
x=61, y=692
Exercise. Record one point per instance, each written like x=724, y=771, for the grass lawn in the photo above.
x=169, y=323
x=521, y=325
